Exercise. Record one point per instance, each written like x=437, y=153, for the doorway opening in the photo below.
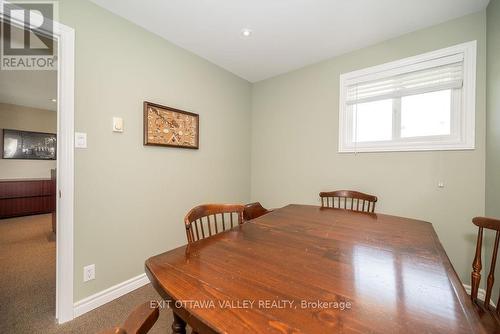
x=28, y=177
x=63, y=173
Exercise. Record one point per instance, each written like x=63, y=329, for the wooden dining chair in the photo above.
x=348, y=200
x=206, y=220
x=254, y=210
x=139, y=321
x=489, y=315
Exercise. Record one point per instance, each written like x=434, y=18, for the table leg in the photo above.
x=179, y=325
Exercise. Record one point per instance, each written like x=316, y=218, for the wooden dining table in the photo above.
x=307, y=269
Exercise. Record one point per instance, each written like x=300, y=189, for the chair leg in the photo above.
x=179, y=325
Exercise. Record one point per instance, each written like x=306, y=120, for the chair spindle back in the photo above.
x=209, y=219
x=348, y=200
x=491, y=224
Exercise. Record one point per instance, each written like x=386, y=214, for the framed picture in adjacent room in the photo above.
x=29, y=145
x=165, y=126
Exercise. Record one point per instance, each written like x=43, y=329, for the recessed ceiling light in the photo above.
x=54, y=100
x=246, y=32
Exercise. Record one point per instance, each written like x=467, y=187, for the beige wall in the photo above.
x=29, y=119
x=295, y=140
x=130, y=200
x=493, y=111
x=492, y=128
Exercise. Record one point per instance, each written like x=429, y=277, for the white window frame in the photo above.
x=462, y=123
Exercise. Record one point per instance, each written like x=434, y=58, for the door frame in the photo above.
x=65, y=37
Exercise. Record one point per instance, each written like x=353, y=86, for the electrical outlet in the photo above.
x=89, y=272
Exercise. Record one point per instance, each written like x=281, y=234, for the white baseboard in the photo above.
x=105, y=296
x=481, y=294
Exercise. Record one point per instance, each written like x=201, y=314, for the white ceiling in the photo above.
x=287, y=34
x=34, y=89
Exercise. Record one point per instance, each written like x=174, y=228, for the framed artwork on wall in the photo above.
x=29, y=145
x=165, y=126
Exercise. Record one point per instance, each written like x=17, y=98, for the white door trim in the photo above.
x=65, y=37
x=65, y=177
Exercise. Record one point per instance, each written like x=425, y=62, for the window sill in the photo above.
x=406, y=148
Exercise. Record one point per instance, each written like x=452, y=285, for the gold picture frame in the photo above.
x=166, y=126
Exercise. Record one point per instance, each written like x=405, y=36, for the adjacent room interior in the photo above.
x=259, y=167
x=28, y=121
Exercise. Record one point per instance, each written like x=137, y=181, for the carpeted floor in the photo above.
x=27, y=285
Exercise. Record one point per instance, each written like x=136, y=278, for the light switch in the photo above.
x=80, y=140
x=117, y=124
x=440, y=184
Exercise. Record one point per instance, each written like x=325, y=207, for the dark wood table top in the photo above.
x=304, y=269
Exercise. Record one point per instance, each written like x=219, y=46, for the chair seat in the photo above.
x=139, y=321
x=489, y=318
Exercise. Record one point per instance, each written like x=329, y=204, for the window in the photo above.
x=420, y=103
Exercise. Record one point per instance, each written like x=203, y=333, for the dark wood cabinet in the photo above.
x=22, y=197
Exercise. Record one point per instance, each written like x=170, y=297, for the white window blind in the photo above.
x=438, y=74
x=425, y=102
